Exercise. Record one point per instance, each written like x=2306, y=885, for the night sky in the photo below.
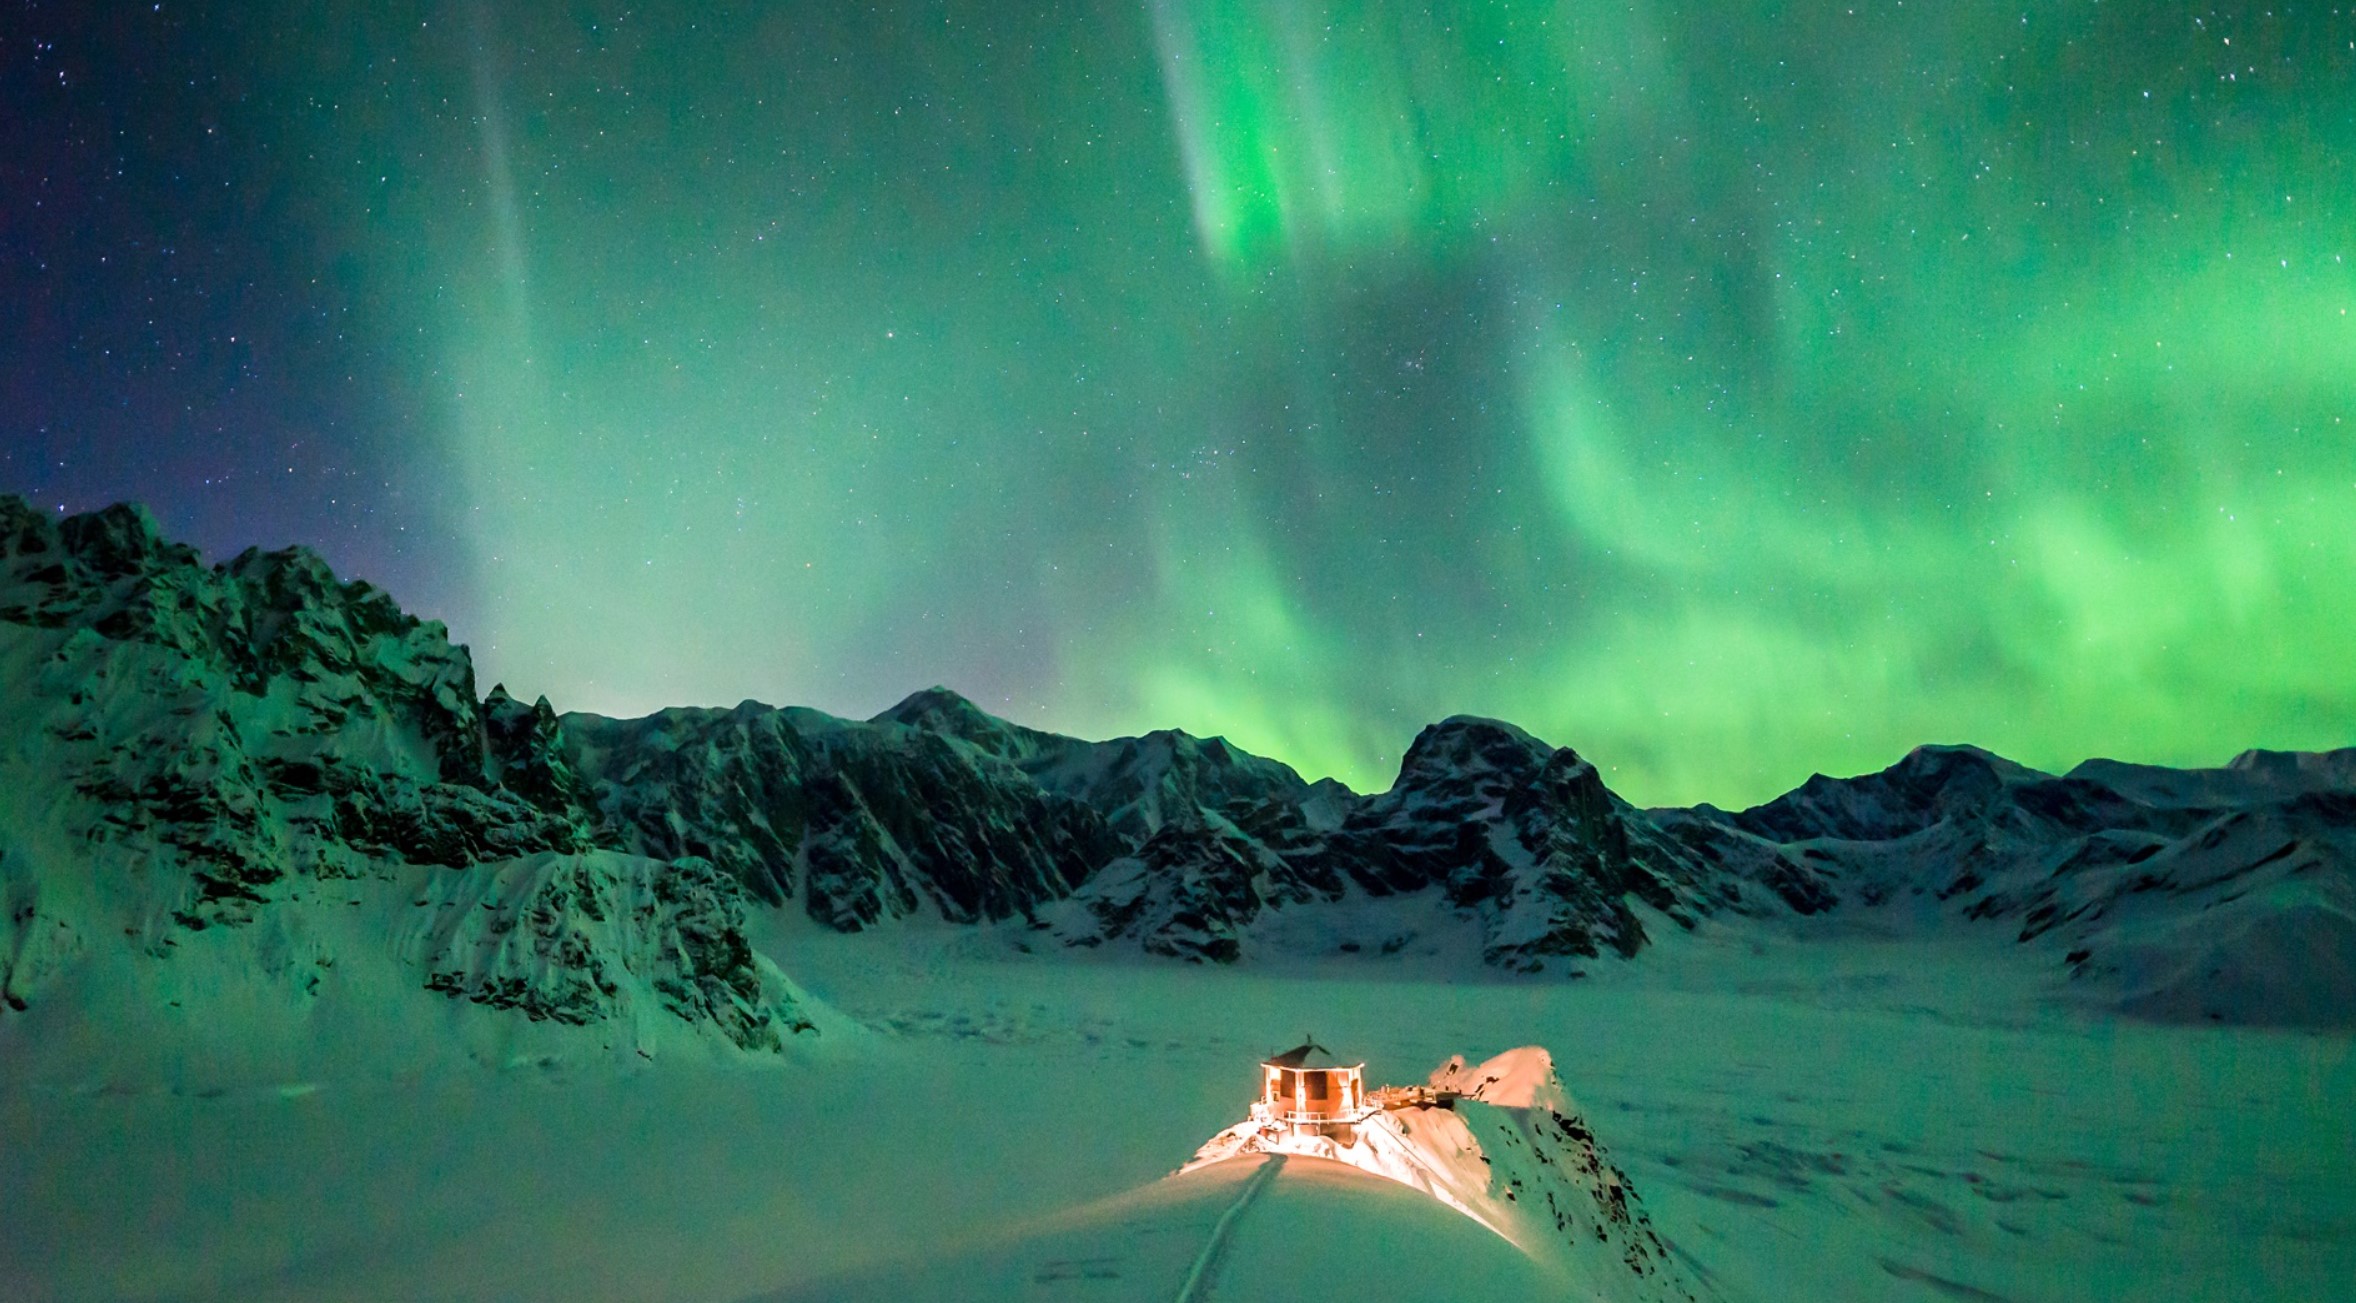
x=1729, y=390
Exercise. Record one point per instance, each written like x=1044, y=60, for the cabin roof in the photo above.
x=1307, y=1054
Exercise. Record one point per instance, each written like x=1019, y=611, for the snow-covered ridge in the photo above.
x=193, y=747
x=1506, y=1148
x=2222, y=895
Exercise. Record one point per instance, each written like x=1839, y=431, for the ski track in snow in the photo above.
x=1203, y=1274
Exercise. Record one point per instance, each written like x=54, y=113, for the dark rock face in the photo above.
x=1702, y=835
x=244, y=733
x=862, y=822
x=529, y=754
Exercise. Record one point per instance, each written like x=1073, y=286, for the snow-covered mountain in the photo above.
x=256, y=749
x=2207, y=894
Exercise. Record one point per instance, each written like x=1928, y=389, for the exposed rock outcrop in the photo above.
x=582, y=939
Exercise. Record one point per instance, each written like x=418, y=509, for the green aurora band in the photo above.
x=1728, y=391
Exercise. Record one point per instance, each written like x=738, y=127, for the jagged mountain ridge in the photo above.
x=2223, y=894
x=248, y=731
x=256, y=748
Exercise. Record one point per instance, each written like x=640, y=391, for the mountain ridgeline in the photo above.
x=257, y=749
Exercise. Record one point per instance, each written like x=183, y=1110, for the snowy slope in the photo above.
x=1818, y=1108
x=1502, y=1193
x=1250, y=1230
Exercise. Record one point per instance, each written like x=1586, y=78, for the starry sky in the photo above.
x=1729, y=390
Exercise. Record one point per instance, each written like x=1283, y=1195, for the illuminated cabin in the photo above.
x=1309, y=1089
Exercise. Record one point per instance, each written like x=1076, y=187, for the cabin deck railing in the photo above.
x=1375, y=1101
x=1390, y=1097
x=1311, y=1117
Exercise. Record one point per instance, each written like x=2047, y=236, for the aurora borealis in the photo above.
x=1729, y=391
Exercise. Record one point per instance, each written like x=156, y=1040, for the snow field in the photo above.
x=1806, y=1116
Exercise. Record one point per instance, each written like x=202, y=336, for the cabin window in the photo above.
x=1317, y=1085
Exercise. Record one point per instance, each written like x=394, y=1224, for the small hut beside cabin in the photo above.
x=1311, y=1091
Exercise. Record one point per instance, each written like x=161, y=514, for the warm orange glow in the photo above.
x=1312, y=1095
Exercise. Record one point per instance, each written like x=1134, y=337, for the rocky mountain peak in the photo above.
x=1931, y=784
x=260, y=618
x=119, y=539
x=91, y=566
x=2296, y=771
x=940, y=710
x=527, y=747
x=1465, y=748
